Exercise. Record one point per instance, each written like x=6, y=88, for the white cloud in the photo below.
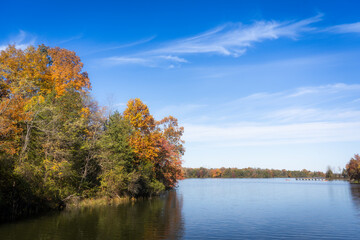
x=345, y=28
x=21, y=41
x=326, y=89
x=298, y=114
x=329, y=103
x=70, y=39
x=174, y=58
x=178, y=110
x=128, y=60
x=126, y=45
x=232, y=39
x=167, y=61
x=331, y=90
x=316, y=114
x=264, y=134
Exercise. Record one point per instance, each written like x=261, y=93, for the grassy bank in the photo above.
x=76, y=203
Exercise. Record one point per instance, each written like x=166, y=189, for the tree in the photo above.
x=169, y=161
x=117, y=159
x=344, y=173
x=329, y=173
x=45, y=123
x=56, y=143
x=353, y=168
x=157, y=143
x=122, y=173
x=23, y=77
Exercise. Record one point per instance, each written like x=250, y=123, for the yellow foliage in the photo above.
x=43, y=70
x=85, y=112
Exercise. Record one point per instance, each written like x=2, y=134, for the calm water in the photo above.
x=213, y=209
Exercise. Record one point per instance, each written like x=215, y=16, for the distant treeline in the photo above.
x=247, y=173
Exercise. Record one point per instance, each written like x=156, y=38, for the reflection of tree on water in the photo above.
x=355, y=193
x=157, y=218
x=166, y=221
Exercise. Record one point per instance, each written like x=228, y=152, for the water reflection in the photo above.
x=355, y=194
x=158, y=218
x=213, y=209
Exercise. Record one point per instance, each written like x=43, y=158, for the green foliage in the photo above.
x=121, y=174
x=329, y=173
x=56, y=144
x=16, y=194
x=116, y=156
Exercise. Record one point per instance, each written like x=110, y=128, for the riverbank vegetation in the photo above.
x=57, y=144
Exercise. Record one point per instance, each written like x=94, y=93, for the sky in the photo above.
x=268, y=84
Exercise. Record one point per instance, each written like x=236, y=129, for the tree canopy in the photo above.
x=353, y=168
x=56, y=143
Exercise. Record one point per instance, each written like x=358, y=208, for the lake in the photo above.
x=212, y=209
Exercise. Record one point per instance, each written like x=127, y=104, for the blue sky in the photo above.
x=270, y=84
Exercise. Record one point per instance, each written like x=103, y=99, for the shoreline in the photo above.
x=96, y=202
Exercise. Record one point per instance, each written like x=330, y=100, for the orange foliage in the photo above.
x=215, y=173
x=144, y=140
x=158, y=142
x=139, y=116
x=66, y=71
x=353, y=168
x=26, y=77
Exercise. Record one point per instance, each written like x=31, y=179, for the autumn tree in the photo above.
x=123, y=174
x=157, y=142
x=353, y=168
x=57, y=144
x=23, y=75
x=45, y=120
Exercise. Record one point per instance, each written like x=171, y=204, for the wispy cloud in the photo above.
x=254, y=135
x=330, y=103
x=70, y=39
x=178, y=110
x=232, y=39
x=326, y=89
x=128, y=60
x=345, y=28
x=315, y=114
x=174, y=58
x=167, y=61
x=126, y=45
x=22, y=40
x=299, y=114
